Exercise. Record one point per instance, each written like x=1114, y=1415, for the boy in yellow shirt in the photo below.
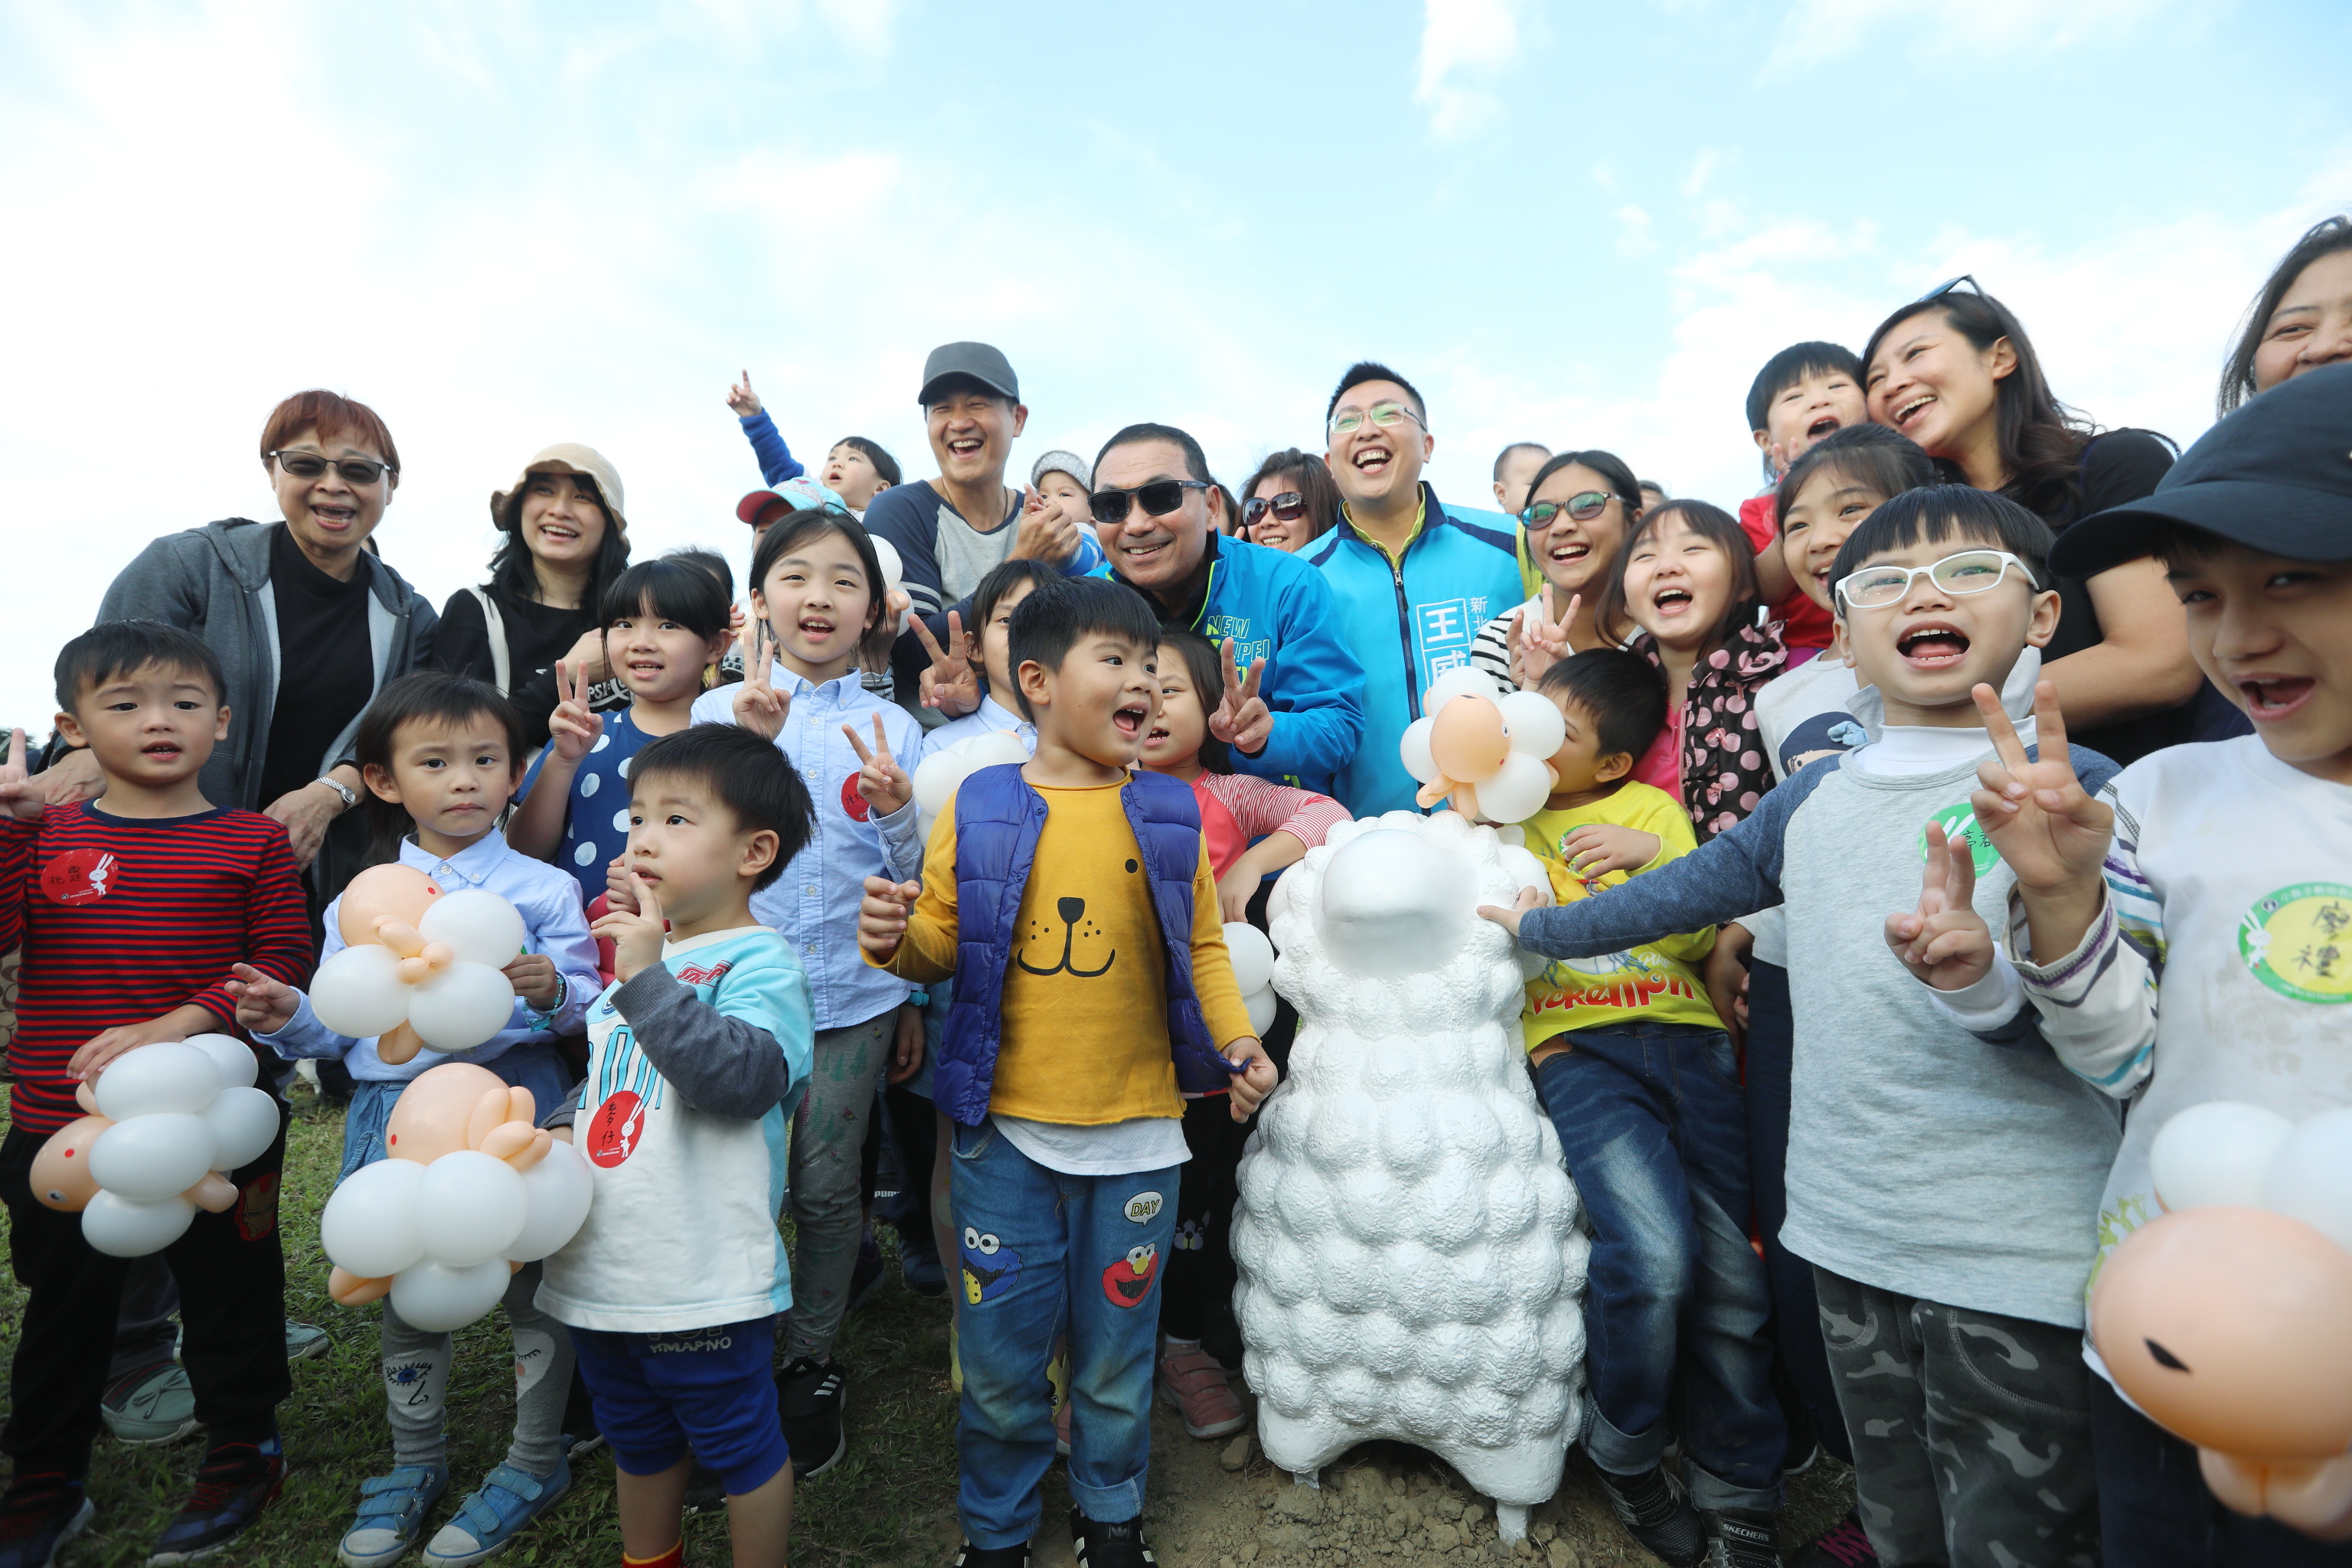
x=1073, y=901
x=1638, y=1075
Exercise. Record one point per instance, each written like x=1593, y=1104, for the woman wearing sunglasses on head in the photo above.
x=1579, y=510
x=1289, y=500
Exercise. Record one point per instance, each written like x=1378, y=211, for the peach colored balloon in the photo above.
x=346, y=1289
x=519, y=1143
x=396, y=892
x=1467, y=741
x=85, y=1096
x=61, y=1174
x=215, y=1194
x=397, y=1045
x=2230, y=1327
x=2313, y=1496
x=428, y=1120
x=521, y=1107
x=488, y=1112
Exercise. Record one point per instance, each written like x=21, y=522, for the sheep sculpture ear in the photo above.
x=488, y=1112
x=346, y=1289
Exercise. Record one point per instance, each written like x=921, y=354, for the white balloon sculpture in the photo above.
x=893, y=571
x=936, y=775
x=167, y=1122
x=440, y=976
x=1253, y=957
x=1492, y=758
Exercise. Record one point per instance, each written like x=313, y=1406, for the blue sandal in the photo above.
x=507, y=1500
x=391, y=1511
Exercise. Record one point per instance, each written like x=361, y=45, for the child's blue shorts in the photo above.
x=708, y=1389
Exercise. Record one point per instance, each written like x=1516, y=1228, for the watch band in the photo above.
x=351, y=796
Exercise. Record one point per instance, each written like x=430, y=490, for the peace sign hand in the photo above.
x=2049, y=828
x=951, y=684
x=1943, y=941
x=883, y=783
x=572, y=726
x=19, y=796
x=1539, y=642
x=1242, y=720
x=759, y=706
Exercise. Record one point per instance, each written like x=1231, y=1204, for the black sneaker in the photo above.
x=1655, y=1511
x=237, y=1481
x=39, y=1514
x=970, y=1556
x=808, y=1396
x=1842, y=1545
x=705, y=1492
x=868, y=1274
x=1100, y=1545
x=1742, y=1537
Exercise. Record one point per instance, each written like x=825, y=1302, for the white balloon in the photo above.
x=2311, y=1176
x=440, y=1299
x=1277, y=902
x=1252, y=956
x=1517, y=790
x=1261, y=1009
x=233, y=1059
x=164, y=1077
x=994, y=749
x=887, y=553
x=556, y=1192
x=1462, y=680
x=1513, y=835
x=1535, y=725
x=244, y=1124
x=359, y=992
x=1527, y=871
x=479, y=926
x=1414, y=749
x=369, y=1225
x=461, y=1006
x=935, y=777
x=2215, y=1153
x=153, y=1156
x=1394, y=903
x=121, y=1227
x=470, y=1206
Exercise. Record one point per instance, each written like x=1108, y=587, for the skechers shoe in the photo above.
x=809, y=1396
x=1100, y=1545
x=970, y=1556
x=1742, y=1537
x=1194, y=1384
x=39, y=1514
x=306, y=1341
x=150, y=1405
x=391, y=1515
x=234, y=1483
x=1655, y=1511
x=1842, y=1545
x=495, y=1512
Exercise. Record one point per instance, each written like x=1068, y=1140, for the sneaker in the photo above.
x=868, y=1273
x=1100, y=1545
x=809, y=1397
x=970, y=1556
x=150, y=1405
x=1742, y=1537
x=1842, y=1545
x=1656, y=1512
x=1192, y=1382
x=495, y=1512
x=306, y=1341
x=234, y=1483
x=391, y=1515
x=39, y=1514
x=920, y=1268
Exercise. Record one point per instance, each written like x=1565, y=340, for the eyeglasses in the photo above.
x=310, y=466
x=1157, y=498
x=1970, y=571
x=1287, y=507
x=1966, y=283
x=1381, y=413
x=1583, y=508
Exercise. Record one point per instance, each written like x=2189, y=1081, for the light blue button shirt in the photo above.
x=991, y=718
x=549, y=901
x=814, y=905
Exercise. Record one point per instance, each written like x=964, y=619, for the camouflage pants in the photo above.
x=1971, y=1431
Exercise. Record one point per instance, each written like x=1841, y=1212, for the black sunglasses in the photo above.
x=1157, y=498
x=1287, y=507
x=310, y=466
x=1966, y=283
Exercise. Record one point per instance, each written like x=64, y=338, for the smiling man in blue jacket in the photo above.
x=1160, y=521
x=1414, y=579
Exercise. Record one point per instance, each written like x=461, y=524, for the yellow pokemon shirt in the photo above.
x=1658, y=982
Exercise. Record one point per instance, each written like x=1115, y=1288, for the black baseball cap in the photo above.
x=2275, y=475
x=983, y=363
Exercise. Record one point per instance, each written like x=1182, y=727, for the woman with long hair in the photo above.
x=2301, y=320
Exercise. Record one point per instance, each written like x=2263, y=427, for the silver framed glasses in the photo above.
x=1969, y=572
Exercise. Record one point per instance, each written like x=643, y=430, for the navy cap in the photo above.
x=2275, y=475
x=983, y=363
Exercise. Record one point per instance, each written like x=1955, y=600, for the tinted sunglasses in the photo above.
x=1287, y=507
x=1157, y=498
x=1966, y=283
x=1583, y=508
x=310, y=466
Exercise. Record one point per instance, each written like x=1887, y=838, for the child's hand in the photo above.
x=882, y=914
x=907, y=1044
x=533, y=977
x=1045, y=533
x=882, y=782
x=1257, y=1078
x=1242, y=720
x=1600, y=848
x=951, y=684
x=2051, y=832
x=759, y=706
x=571, y=726
x=1724, y=974
x=1537, y=642
x=620, y=892
x=103, y=1048
x=1236, y=889
x=19, y=795
x=264, y=1006
x=742, y=399
x=1943, y=941
x=1509, y=919
x=637, y=935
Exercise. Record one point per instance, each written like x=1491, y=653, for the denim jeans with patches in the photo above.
x=1042, y=1254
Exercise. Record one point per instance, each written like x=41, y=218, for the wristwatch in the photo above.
x=351, y=796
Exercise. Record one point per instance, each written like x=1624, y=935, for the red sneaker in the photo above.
x=1194, y=1384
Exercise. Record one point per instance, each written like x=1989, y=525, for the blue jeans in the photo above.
x=537, y=1066
x=1043, y=1254
x=1652, y=1124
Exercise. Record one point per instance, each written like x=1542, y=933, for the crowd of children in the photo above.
x=1898, y=893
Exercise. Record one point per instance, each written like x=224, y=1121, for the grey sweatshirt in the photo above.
x=1923, y=1159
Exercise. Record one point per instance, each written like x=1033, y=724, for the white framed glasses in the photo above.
x=1969, y=572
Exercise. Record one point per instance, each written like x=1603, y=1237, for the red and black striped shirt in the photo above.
x=123, y=918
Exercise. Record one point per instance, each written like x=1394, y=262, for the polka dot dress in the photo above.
x=1724, y=770
x=596, y=825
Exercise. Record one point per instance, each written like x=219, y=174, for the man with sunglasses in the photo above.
x=1292, y=709
x=1414, y=579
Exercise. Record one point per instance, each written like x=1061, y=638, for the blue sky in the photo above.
x=508, y=224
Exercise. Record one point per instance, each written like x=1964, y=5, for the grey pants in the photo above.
x=1971, y=1431
x=828, y=1137
x=416, y=1381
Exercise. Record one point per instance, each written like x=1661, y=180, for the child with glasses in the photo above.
x=1942, y=1160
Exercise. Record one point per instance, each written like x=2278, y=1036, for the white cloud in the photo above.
x=1821, y=30
x=1463, y=38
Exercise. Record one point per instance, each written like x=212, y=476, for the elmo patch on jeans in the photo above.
x=79, y=876
x=613, y=1131
x=1127, y=1281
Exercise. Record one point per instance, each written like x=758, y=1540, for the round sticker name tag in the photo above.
x=2298, y=942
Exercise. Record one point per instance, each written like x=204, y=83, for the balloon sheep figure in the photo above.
x=1412, y=1266
x=1491, y=758
x=2225, y=1318
x=937, y=776
x=423, y=968
x=165, y=1122
x=472, y=1189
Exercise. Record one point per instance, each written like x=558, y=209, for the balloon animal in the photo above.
x=1491, y=758
x=422, y=967
x=936, y=775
